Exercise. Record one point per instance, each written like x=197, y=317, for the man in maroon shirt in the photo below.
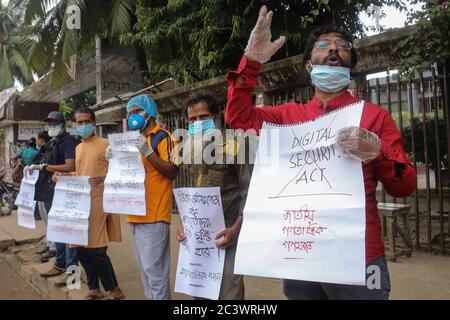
x=328, y=59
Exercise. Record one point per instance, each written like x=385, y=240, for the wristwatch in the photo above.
x=44, y=167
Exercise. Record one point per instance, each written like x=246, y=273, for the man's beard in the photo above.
x=335, y=60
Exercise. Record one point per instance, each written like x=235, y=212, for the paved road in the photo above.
x=12, y=286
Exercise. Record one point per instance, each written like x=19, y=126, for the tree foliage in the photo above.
x=68, y=107
x=198, y=39
x=189, y=40
x=431, y=42
x=52, y=44
x=13, y=56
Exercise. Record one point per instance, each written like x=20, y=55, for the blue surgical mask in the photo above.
x=85, y=131
x=201, y=126
x=330, y=78
x=137, y=122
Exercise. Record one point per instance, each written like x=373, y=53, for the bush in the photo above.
x=432, y=142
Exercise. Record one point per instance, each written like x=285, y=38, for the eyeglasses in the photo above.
x=340, y=44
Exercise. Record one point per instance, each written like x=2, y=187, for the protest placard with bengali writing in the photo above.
x=68, y=220
x=124, y=185
x=25, y=200
x=304, y=217
x=200, y=262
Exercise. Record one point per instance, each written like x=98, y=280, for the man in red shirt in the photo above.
x=328, y=59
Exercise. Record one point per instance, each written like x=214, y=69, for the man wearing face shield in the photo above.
x=59, y=156
x=151, y=232
x=328, y=58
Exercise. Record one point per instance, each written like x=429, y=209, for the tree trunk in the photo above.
x=141, y=58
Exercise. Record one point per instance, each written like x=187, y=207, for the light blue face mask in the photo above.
x=330, y=78
x=201, y=126
x=85, y=131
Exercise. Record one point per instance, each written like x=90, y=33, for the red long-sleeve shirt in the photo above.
x=392, y=167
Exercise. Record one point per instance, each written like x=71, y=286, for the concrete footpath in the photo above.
x=422, y=276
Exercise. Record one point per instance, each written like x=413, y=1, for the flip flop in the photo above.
x=93, y=297
x=117, y=298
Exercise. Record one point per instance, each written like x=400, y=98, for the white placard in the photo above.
x=25, y=200
x=68, y=220
x=124, y=185
x=200, y=262
x=304, y=217
x=25, y=216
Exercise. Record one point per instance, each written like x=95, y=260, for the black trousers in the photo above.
x=308, y=290
x=97, y=265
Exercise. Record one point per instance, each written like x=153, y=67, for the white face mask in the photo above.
x=53, y=131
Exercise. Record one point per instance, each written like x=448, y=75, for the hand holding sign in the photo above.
x=35, y=167
x=181, y=236
x=95, y=181
x=59, y=174
x=143, y=146
x=230, y=235
x=260, y=48
x=359, y=143
x=108, y=153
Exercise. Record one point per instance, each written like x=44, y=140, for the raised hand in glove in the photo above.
x=359, y=143
x=143, y=146
x=260, y=48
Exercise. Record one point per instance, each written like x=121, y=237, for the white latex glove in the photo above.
x=143, y=146
x=108, y=153
x=359, y=143
x=25, y=170
x=35, y=167
x=259, y=47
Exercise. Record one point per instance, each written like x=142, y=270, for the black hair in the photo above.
x=316, y=33
x=32, y=142
x=44, y=136
x=213, y=106
x=85, y=109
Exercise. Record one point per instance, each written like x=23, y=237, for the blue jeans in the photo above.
x=65, y=256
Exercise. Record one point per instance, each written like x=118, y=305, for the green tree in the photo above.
x=13, y=54
x=197, y=39
x=55, y=43
x=431, y=42
x=432, y=141
x=86, y=98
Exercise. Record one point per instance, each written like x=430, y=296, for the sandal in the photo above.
x=121, y=297
x=94, y=297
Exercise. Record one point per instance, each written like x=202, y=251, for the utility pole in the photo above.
x=98, y=68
